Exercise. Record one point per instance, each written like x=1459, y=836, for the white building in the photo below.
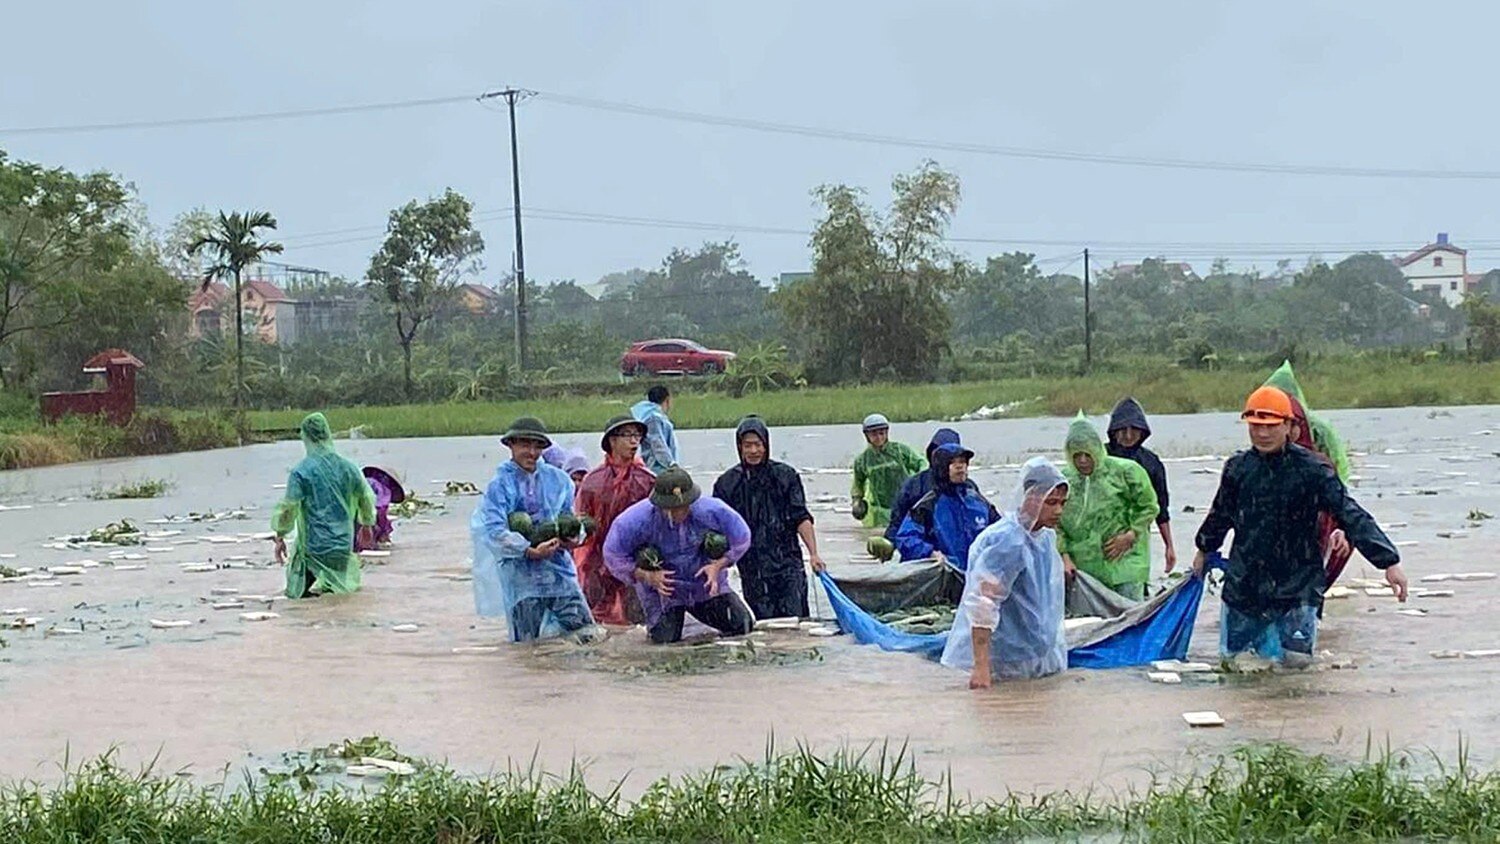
x=1440, y=267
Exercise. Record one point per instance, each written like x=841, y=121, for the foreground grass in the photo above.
x=1336, y=384
x=1270, y=793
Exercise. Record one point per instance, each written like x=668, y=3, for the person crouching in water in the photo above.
x=1128, y=432
x=674, y=521
x=1111, y=506
x=325, y=497
x=1270, y=495
x=945, y=521
x=534, y=586
x=387, y=491
x=1010, y=620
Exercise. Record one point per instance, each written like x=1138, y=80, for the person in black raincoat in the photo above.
x=1128, y=432
x=768, y=495
x=1270, y=495
x=917, y=485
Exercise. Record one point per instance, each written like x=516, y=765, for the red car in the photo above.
x=657, y=357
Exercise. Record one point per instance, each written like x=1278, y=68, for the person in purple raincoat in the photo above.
x=673, y=521
x=388, y=491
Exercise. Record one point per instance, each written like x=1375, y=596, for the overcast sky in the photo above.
x=1366, y=84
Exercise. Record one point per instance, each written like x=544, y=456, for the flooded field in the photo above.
x=93, y=672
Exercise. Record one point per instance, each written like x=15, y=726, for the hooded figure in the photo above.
x=879, y=472
x=537, y=597
x=1129, y=414
x=1326, y=440
x=1105, y=506
x=575, y=462
x=325, y=496
x=948, y=518
x=606, y=491
x=768, y=495
x=1331, y=539
x=917, y=485
x=1014, y=589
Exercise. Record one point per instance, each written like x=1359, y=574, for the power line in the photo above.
x=251, y=117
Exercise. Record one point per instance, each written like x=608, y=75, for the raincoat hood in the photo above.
x=1129, y=414
x=1083, y=438
x=316, y=435
x=1038, y=478
x=942, y=436
x=752, y=425
x=575, y=461
x=1285, y=380
x=942, y=457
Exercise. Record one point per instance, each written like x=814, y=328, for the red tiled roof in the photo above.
x=115, y=356
x=482, y=292
x=1429, y=249
x=267, y=291
x=207, y=298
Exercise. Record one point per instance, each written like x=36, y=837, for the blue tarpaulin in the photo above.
x=1160, y=628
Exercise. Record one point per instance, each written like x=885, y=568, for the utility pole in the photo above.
x=1088, y=318
x=513, y=96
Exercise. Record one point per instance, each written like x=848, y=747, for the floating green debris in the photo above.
x=413, y=505
x=139, y=489
x=460, y=488
x=930, y=619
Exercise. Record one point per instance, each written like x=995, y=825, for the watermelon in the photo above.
x=520, y=522
x=859, y=509
x=545, y=532
x=568, y=526
x=715, y=545
x=647, y=558
x=589, y=525
x=880, y=548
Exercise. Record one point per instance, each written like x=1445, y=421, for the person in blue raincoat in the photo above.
x=945, y=522
x=659, y=448
x=1010, y=620
x=917, y=485
x=534, y=587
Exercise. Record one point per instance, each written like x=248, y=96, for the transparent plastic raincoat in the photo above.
x=1326, y=441
x=1117, y=497
x=503, y=575
x=878, y=476
x=1014, y=588
x=325, y=495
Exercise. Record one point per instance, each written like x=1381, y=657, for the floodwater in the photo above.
x=212, y=694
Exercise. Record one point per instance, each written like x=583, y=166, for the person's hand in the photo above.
x=710, y=573
x=1117, y=546
x=543, y=551
x=658, y=579
x=1397, y=580
x=1070, y=571
x=280, y=550
x=1200, y=560
x=1171, y=559
x=940, y=556
x=366, y=536
x=816, y=562
x=1338, y=543
x=980, y=678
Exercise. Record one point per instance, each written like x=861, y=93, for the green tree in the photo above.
x=232, y=244
x=58, y=230
x=1012, y=295
x=876, y=301
x=428, y=247
x=1483, y=317
x=710, y=289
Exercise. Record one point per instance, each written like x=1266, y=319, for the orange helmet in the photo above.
x=1267, y=406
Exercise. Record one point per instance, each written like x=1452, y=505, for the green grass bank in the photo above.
x=1259, y=793
x=1161, y=388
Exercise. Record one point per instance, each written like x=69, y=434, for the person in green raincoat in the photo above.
x=879, y=472
x=1325, y=440
x=325, y=496
x=1111, y=506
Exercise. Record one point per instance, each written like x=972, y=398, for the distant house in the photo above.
x=478, y=299
x=268, y=313
x=1177, y=271
x=1441, y=268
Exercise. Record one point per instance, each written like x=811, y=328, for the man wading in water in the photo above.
x=1270, y=496
x=325, y=496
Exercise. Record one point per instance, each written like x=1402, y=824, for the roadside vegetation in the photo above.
x=1258, y=793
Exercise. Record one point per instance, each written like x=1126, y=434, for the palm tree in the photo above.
x=233, y=244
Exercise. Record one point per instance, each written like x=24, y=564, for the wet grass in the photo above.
x=1259, y=793
x=1337, y=383
x=152, y=488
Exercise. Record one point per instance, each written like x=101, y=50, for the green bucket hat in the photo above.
x=614, y=426
x=527, y=428
x=674, y=488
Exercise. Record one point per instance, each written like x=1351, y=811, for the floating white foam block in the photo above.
x=1436, y=578
x=1412, y=612
x=374, y=554
x=1474, y=575
x=391, y=765
x=1482, y=654
x=258, y=616
x=822, y=631
x=198, y=568
x=1181, y=667
x=1167, y=677
x=405, y=628
x=170, y=624
x=787, y=623
x=476, y=649
x=1206, y=718
x=1432, y=593
x=229, y=605
x=1336, y=592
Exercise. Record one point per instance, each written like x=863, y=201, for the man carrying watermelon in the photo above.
x=523, y=531
x=879, y=472
x=677, y=547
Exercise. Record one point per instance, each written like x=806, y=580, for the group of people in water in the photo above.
x=564, y=548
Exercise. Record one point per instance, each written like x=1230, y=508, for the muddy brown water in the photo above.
x=214, y=693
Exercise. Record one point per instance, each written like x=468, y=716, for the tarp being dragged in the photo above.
x=1160, y=628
